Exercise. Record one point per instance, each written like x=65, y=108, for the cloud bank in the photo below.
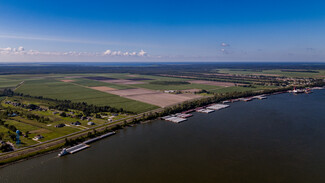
x=108, y=53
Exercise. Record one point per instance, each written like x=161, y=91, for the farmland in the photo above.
x=68, y=91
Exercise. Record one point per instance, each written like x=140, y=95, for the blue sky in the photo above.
x=220, y=30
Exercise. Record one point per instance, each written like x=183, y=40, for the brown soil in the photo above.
x=153, y=97
x=67, y=80
x=103, y=88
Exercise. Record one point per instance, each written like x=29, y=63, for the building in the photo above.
x=59, y=125
x=38, y=137
x=90, y=123
x=76, y=123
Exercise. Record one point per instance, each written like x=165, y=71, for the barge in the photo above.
x=83, y=145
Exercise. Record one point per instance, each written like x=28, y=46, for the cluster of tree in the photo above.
x=6, y=92
x=40, y=119
x=169, y=82
x=299, y=70
x=87, y=109
x=5, y=147
x=9, y=134
x=10, y=127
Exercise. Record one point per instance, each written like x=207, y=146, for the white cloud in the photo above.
x=224, y=51
x=120, y=53
x=21, y=51
x=225, y=44
x=142, y=53
x=107, y=52
x=20, y=48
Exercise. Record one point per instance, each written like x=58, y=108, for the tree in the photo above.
x=63, y=114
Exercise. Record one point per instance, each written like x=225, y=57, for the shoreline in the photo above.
x=54, y=148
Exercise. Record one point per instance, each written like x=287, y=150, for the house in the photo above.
x=76, y=123
x=38, y=137
x=90, y=123
x=59, y=125
x=12, y=115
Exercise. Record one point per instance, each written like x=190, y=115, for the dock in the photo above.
x=205, y=110
x=246, y=99
x=175, y=119
x=260, y=97
x=217, y=106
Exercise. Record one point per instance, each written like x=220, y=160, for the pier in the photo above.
x=217, y=106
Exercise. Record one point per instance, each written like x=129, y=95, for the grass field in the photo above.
x=92, y=83
x=67, y=91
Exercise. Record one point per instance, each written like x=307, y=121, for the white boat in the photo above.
x=63, y=152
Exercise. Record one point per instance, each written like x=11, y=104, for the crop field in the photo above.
x=68, y=91
x=123, y=81
x=94, y=83
x=153, y=97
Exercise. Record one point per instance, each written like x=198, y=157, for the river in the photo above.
x=280, y=139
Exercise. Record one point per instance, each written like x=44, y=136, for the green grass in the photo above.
x=23, y=127
x=68, y=91
x=93, y=83
x=8, y=83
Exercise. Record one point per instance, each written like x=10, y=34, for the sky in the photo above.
x=150, y=31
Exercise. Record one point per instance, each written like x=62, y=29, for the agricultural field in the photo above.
x=108, y=88
x=105, y=89
x=55, y=89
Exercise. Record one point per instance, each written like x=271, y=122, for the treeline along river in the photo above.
x=281, y=139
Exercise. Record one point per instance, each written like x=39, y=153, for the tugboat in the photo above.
x=297, y=91
x=63, y=152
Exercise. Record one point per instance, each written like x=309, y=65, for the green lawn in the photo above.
x=68, y=91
